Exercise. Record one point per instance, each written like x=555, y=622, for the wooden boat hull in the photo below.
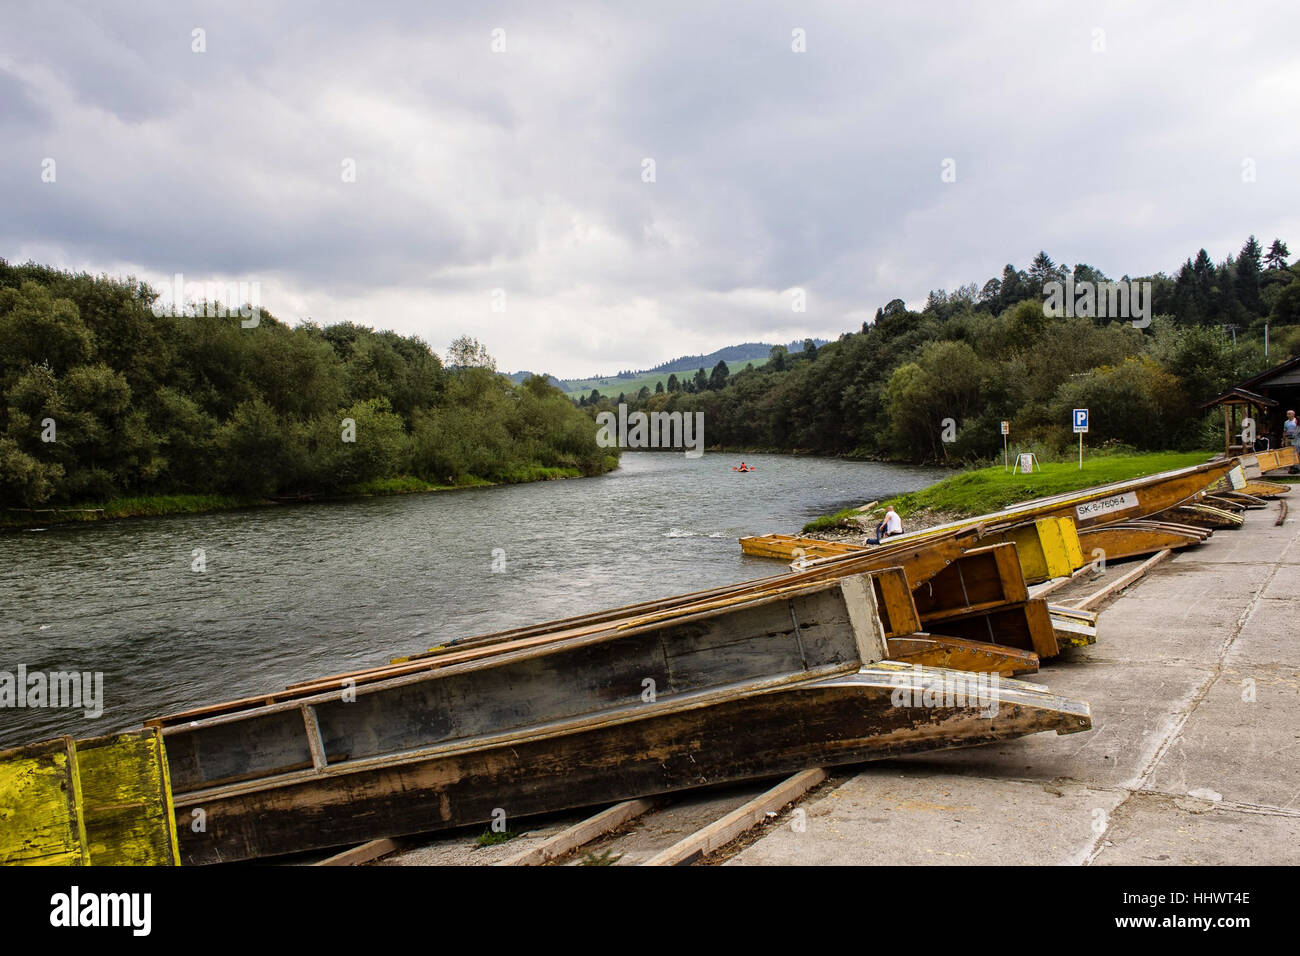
x=919, y=561
x=1205, y=516
x=1046, y=548
x=878, y=713
x=823, y=629
x=1135, y=539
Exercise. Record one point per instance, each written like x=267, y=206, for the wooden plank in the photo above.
x=126, y=800
x=1047, y=588
x=40, y=806
x=566, y=841
x=938, y=650
x=722, y=831
x=102, y=801
x=1123, y=581
x=364, y=853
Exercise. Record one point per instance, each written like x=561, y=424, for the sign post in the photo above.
x=1080, y=426
x=1006, y=430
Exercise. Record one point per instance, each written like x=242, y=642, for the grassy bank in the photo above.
x=981, y=490
x=150, y=506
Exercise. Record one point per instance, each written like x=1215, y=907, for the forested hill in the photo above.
x=630, y=382
x=102, y=398
x=933, y=384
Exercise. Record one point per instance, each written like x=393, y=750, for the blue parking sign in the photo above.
x=1080, y=420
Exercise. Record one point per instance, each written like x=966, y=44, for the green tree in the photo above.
x=1277, y=255
x=718, y=379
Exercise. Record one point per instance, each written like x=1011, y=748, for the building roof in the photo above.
x=1288, y=373
x=1240, y=396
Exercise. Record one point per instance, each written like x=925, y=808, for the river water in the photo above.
x=301, y=591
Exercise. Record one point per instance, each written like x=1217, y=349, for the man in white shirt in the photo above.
x=891, y=526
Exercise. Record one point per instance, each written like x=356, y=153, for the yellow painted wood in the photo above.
x=40, y=818
x=1074, y=557
x=126, y=800
x=103, y=801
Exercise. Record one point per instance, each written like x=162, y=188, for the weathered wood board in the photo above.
x=104, y=801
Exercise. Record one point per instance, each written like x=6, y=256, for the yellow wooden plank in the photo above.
x=126, y=800
x=1029, y=549
x=1073, y=549
x=40, y=820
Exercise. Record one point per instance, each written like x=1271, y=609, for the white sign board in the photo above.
x=1080, y=419
x=1006, y=428
x=1106, y=506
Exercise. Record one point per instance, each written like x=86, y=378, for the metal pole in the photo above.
x=1005, y=462
x=1080, y=451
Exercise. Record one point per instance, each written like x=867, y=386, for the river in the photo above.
x=300, y=591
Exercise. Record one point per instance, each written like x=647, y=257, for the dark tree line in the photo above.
x=101, y=398
x=981, y=355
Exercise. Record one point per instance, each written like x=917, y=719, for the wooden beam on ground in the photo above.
x=579, y=834
x=723, y=831
x=1047, y=587
x=1281, y=513
x=1123, y=581
x=361, y=854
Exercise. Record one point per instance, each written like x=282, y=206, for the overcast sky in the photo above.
x=1119, y=134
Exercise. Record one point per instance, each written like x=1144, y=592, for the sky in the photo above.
x=589, y=187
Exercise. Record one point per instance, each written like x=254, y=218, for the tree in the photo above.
x=659, y=387
x=718, y=379
x=467, y=352
x=809, y=349
x=777, y=358
x=1014, y=287
x=673, y=384
x=990, y=294
x=1277, y=255
x=1042, y=271
x=1249, y=268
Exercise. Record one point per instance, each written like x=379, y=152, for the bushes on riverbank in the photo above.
x=102, y=399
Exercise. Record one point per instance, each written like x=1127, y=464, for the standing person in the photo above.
x=1291, y=434
x=890, y=526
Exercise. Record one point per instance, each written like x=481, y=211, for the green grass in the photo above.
x=150, y=506
x=492, y=839
x=841, y=519
x=538, y=473
x=147, y=506
x=981, y=490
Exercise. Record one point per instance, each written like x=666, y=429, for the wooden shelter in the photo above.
x=1253, y=405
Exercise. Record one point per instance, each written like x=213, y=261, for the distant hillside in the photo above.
x=749, y=351
x=736, y=357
